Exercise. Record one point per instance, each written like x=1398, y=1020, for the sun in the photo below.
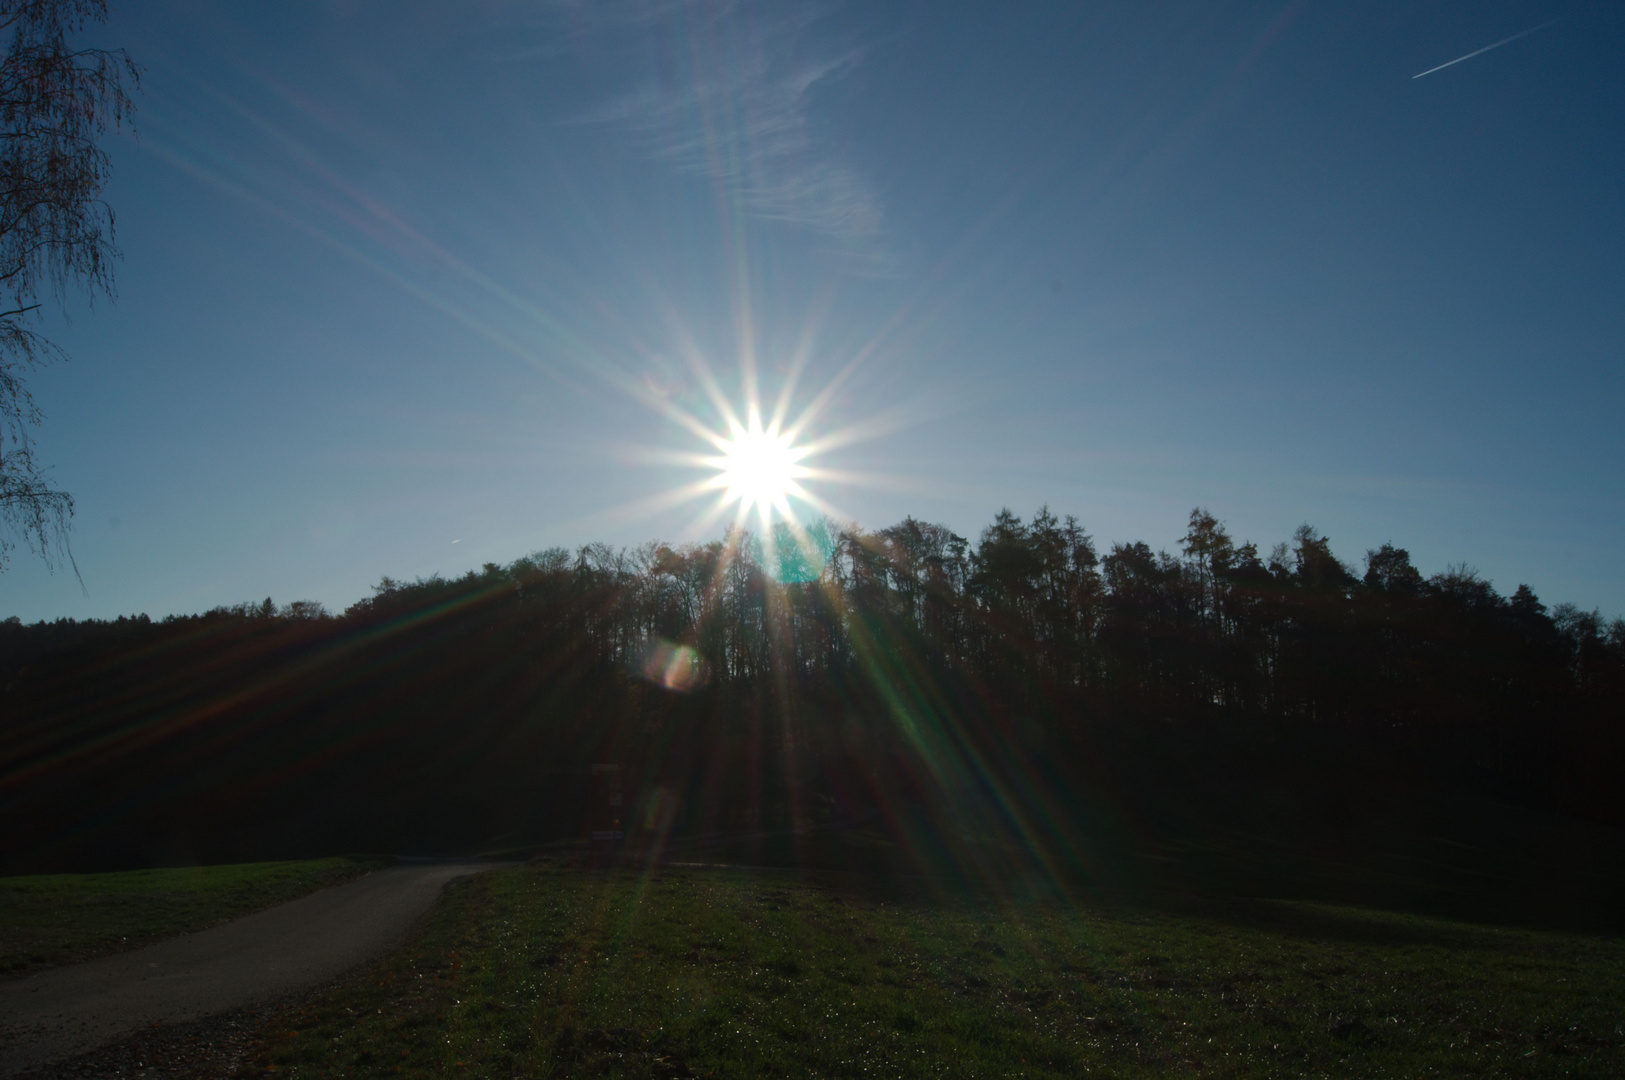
x=760, y=459
x=758, y=468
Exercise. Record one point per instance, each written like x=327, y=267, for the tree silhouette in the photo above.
x=911, y=673
x=55, y=231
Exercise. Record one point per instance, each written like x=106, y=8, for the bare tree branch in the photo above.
x=56, y=233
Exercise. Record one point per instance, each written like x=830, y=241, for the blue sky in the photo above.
x=411, y=286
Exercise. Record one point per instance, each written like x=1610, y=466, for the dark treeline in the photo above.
x=908, y=674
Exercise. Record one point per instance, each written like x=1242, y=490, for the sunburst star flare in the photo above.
x=758, y=468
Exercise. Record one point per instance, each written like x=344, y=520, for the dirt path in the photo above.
x=295, y=946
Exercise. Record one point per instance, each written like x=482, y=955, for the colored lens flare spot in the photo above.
x=676, y=667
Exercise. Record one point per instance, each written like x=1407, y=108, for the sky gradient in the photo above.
x=408, y=286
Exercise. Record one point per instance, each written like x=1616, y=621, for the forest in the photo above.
x=808, y=678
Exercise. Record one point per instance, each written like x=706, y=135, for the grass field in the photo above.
x=550, y=971
x=50, y=919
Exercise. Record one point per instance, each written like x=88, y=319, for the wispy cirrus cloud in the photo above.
x=735, y=102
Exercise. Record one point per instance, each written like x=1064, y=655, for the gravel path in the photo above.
x=57, y=1014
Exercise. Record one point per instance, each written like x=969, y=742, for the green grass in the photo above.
x=50, y=919
x=544, y=971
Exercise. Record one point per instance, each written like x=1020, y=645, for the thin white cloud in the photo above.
x=635, y=13
x=736, y=106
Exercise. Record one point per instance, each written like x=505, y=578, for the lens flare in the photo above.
x=675, y=667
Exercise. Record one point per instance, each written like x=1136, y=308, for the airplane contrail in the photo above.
x=1486, y=49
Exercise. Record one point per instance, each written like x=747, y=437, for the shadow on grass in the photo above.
x=1434, y=878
